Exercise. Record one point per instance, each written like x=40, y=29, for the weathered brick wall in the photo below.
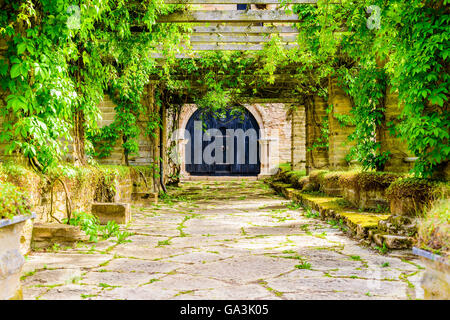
x=315, y=114
x=339, y=146
x=298, y=138
x=117, y=156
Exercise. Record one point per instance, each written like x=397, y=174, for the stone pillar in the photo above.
x=264, y=157
x=315, y=114
x=401, y=160
x=181, y=155
x=339, y=146
x=269, y=155
x=298, y=139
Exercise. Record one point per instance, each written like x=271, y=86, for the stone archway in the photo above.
x=274, y=138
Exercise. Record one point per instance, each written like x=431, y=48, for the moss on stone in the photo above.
x=368, y=180
x=419, y=189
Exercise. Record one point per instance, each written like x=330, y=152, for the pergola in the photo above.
x=240, y=30
x=236, y=30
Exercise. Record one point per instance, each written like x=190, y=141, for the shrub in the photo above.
x=13, y=201
x=434, y=228
x=284, y=167
x=91, y=226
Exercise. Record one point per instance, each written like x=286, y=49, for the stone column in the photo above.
x=339, y=146
x=264, y=156
x=315, y=114
x=298, y=135
x=181, y=155
x=401, y=160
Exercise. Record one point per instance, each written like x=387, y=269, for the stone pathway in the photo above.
x=222, y=240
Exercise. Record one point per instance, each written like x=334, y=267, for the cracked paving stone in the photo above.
x=121, y=279
x=140, y=293
x=70, y=292
x=136, y=265
x=229, y=292
x=52, y=277
x=243, y=269
x=63, y=260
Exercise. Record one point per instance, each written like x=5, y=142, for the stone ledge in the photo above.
x=16, y=219
x=118, y=212
x=364, y=225
x=47, y=234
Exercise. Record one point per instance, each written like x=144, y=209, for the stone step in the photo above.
x=105, y=212
x=391, y=241
x=47, y=234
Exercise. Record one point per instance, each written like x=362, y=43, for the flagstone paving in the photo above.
x=222, y=240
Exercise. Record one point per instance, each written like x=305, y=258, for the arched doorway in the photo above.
x=222, y=146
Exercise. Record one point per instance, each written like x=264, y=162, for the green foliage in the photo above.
x=91, y=226
x=13, y=201
x=335, y=41
x=434, y=228
x=57, y=68
x=366, y=89
x=304, y=265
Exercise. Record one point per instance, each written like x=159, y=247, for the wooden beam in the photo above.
x=233, y=47
x=238, y=1
x=229, y=16
x=219, y=28
x=283, y=77
x=240, y=39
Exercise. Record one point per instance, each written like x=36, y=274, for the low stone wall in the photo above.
x=84, y=185
x=361, y=200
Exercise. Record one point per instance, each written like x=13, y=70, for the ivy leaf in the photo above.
x=21, y=47
x=15, y=70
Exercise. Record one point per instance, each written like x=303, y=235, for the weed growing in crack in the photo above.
x=304, y=265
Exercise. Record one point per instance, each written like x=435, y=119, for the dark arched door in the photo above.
x=226, y=145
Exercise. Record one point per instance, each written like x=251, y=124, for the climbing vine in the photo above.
x=370, y=50
x=61, y=58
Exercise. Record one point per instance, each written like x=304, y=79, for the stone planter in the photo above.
x=436, y=279
x=11, y=258
x=118, y=212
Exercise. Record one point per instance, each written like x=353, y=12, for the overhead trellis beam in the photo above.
x=240, y=39
x=243, y=29
x=229, y=16
x=238, y=1
x=233, y=47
